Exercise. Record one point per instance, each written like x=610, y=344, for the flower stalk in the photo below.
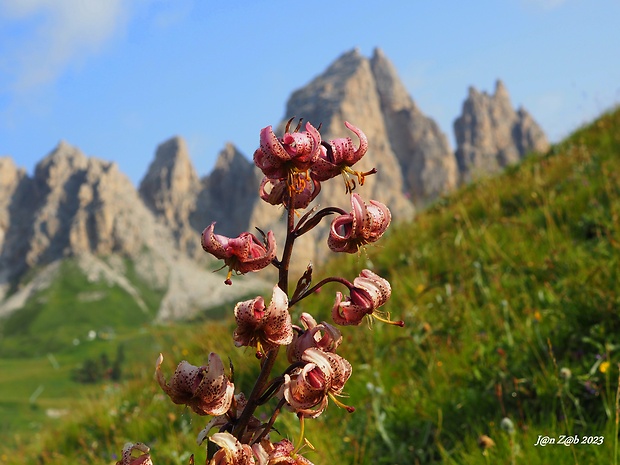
x=294, y=165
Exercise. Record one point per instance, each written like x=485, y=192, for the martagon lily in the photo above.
x=241, y=254
x=323, y=376
x=369, y=292
x=323, y=336
x=263, y=327
x=365, y=224
x=205, y=389
x=338, y=156
x=294, y=152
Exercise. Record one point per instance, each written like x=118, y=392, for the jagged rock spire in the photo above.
x=169, y=189
x=490, y=134
x=427, y=162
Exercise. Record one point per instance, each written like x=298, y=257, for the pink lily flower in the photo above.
x=231, y=452
x=365, y=224
x=369, y=292
x=295, y=151
x=323, y=375
x=263, y=327
x=241, y=254
x=323, y=336
x=342, y=155
x=338, y=156
x=206, y=389
x=127, y=457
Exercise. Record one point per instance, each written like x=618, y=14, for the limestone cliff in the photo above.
x=427, y=162
x=491, y=135
x=170, y=188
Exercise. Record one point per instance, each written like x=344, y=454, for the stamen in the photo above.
x=349, y=184
x=298, y=125
x=348, y=408
x=288, y=125
x=329, y=151
x=387, y=320
x=361, y=176
x=228, y=281
x=300, y=441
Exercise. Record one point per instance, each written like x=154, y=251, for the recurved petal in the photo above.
x=231, y=452
x=215, y=392
x=278, y=327
x=271, y=155
x=363, y=147
x=377, y=287
x=182, y=384
x=341, y=369
x=303, y=147
x=360, y=218
x=379, y=220
x=340, y=235
x=344, y=313
x=213, y=243
x=259, y=256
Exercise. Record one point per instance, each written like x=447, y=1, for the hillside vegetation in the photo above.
x=510, y=290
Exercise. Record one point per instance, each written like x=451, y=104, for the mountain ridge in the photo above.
x=77, y=205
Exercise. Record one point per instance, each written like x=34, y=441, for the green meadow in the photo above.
x=510, y=291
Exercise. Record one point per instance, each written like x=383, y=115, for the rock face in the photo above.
x=170, y=188
x=16, y=215
x=79, y=206
x=86, y=205
x=490, y=134
x=428, y=164
x=228, y=195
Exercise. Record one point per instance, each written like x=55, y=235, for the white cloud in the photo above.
x=61, y=32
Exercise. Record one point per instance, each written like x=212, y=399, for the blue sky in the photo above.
x=118, y=77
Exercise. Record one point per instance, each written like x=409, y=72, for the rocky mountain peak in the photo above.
x=63, y=160
x=345, y=91
x=169, y=189
x=427, y=162
x=230, y=159
x=170, y=176
x=501, y=92
x=229, y=194
x=490, y=134
x=9, y=173
x=389, y=85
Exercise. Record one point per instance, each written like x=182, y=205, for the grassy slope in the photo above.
x=37, y=349
x=502, y=286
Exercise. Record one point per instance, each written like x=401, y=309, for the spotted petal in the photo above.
x=341, y=154
x=241, y=254
x=363, y=225
x=268, y=327
x=205, y=389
